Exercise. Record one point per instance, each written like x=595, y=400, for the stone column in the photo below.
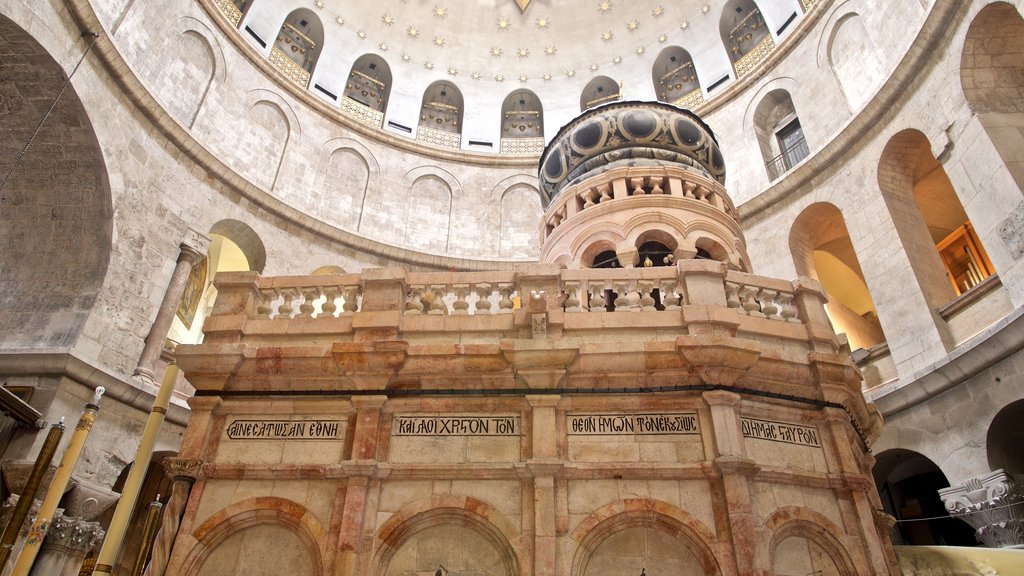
x=357, y=487
x=6, y=513
x=545, y=466
x=183, y=473
x=67, y=542
x=193, y=249
x=993, y=504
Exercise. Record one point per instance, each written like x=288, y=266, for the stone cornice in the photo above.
x=886, y=102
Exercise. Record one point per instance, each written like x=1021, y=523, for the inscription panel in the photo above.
x=779, y=432
x=776, y=443
x=669, y=437
x=456, y=426
x=282, y=439
x=454, y=438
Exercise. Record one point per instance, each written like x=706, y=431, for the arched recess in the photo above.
x=520, y=212
x=271, y=127
x=1005, y=438
x=298, y=45
x=945, y=254
x=744, y=34
x=349, y=174
x=57, y=223
x=600, y=90
x=806, y=542
x=369, y=84
x=853, y=58
x=262, y=535
x=522, y=124
x=627, y=537
x=675, y=78
x=441, y=115
x=992, y=76
x=458, y=533
x=779, y=133
x=908, y=485
x=821, y=248
x=428, y=207
x=193, y=60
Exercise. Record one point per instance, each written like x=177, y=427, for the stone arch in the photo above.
x=776, y=125
x=285, y=520
x=431, y=194
x=369, y=82
x=522, y=115
x=441, y=114
x=742, y=28
x=851, y=51
x=1005, y=437
x=520, y=213
x=604, y=523
x=821, y=248
x=299, y=42
x=185, y=84
x=992, y=78
x=799, y=522
x=57, y=226
x=599, y=234
x=272, y=123
x=347, y=168
x=675, y=78
x=479, y=522
x=247, y=239
x=600, y=90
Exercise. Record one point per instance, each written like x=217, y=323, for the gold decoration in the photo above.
x=607, y=35
x=684, y=25
x=384, y=47
x=632, y=25
x=550, y=50
x=406, y=57
x=522, y=4
x=658, y=11
x=605, y=6
x=751, y=59
x=617, y=60
x=504, y=24
x=288, y=67
x=439, y=138
x=194, y=288
x=452, y=71
x=475, y=75
x=230, y=11
x=440, y=12
x=361, y=34
x=439, y=41
x=412, y=31
x=339, y=20
x=594, y=67
x=362, y=113
x=640, y=50
x=428, y=65
x=570, y=73
x=499, y=77
x=387, y=19
x=662, y=38
x=689, y=101
x=523, y=52
x=547, y=77
x=522, y=146
x=543, y=22
x=496, y=52
x=524, y=78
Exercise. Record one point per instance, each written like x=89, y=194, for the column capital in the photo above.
x=990, y=503
x=721, y=398
x=73, y=534
x=194, y=246
x=182, y=468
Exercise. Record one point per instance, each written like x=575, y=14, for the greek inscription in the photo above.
x=779, y=432
x=643, y=424
x=283, y=430
x=456, y=426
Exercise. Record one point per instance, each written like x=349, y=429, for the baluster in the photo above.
x=621, y=295
x=788, y=308
x=595, y=298
x=460, y=307
x=606, y=191
x=768, y=305
x=588, y=197
x=437, y=305
x=285, y=310
x=646, y=299
x=350, y=302
x=414, y=305
x=265, y=298
x=732, y=298
x=505, y=298
x=328, y=308
x=483, y=293
x=668, y=294
x=638, y=186
x=655, y=184
x=572, y=300
x=688, y=188
x=702, y=193
x=748, y=298
x=309, y=295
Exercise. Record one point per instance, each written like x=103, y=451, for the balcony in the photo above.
x=787, y=160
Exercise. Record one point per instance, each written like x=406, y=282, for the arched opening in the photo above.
x=367, y=89
x=821, y=248
x=800, y=556
x=441, y=116
x=298, y=46
x=653, y=253
x=675, y=78
x=708, y=249
x=155, y=486
x=57, y=220
x=745, y=35
x=908, y=485
x=1005, y=438
x=599, y=91
x=992, y=76
x=522, y=124
x=779, y=133
x=945, y=253
x=261, y=547
x=633, y=542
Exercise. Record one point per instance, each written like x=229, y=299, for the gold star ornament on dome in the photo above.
x=605, y=6
x=658, y=11
x=440, y=12
x=523, y=52
x=522, y=4
x=633, y=25
x=607, y=35
x=550, y=50
x=504, y=24
x=496, y=52
x=387, y=19
x=543, y=22
x=439, y=41
x=413, y=32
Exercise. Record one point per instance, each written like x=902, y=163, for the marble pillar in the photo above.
x=183, y=473
x=993, y=504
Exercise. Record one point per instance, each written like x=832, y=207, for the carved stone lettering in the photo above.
x=456, y=426
x=642, y=424
x=283, y=429
x=779, y=432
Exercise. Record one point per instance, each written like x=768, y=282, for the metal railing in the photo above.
x=790, y=157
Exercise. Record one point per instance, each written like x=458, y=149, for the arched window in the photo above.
x=599, y=91
x=745, y=35
x=821, y=248
x=675, y=79
x=522, y=124
x=367, y=90
x=441, y=116
x=298, y=45
x=779, y=133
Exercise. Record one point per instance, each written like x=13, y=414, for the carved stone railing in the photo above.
x=230, y=11
x=748, y=295
x=621, y=183
x=622, y=290
x=319, y=296
x=690, y=100
x=289, y=67
x=751, y=59
x=522, y=146
x=439, y=138
x=362, y=113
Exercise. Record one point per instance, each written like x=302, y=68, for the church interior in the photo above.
x=509, y=288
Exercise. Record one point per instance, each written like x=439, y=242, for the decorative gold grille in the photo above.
x=288, y=67
x=362, y=113
x=439, y=138
x=230, y=11
x=691, y=100
x=522, y=146
x=808, y=4
x=751, y=59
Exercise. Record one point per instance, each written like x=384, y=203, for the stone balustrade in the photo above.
x=627, y=182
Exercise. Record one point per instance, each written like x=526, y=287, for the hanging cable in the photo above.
x=17, y=160
x=959, y=514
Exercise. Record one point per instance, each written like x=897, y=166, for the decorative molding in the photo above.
x=182, y=468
